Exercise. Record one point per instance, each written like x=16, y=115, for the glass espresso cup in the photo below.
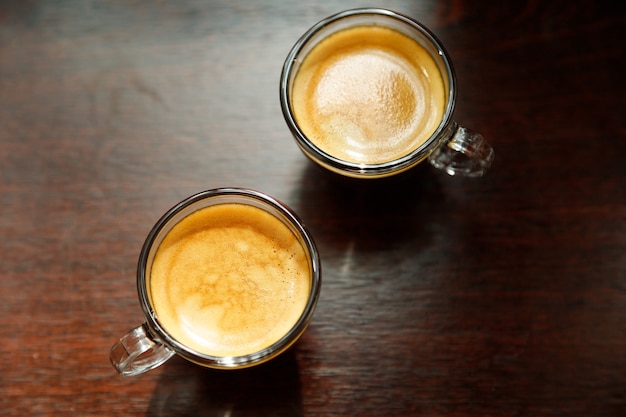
x=228, y=278
x=370, y=93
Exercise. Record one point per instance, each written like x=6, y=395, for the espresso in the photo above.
x=229, y=280
x=368, y=94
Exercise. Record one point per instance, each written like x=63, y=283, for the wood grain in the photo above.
x=500, y=296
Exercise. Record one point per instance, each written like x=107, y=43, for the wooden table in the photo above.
x=442, y=296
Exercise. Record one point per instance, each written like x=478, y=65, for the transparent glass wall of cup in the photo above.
x=149, y=345
x=453, y=148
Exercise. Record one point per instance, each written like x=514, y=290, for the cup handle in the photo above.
x=137, y=352
x=462, y=152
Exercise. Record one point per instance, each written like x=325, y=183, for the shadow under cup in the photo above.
x=150, y=344
x=450, y=147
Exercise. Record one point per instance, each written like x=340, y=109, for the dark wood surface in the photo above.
x=442, y=296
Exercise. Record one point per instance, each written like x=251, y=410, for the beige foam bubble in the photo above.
x=229, y=280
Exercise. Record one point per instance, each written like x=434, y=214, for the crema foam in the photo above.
x=368, y=94
x=229, y=280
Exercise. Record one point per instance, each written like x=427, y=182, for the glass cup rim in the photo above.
x=363, y=169
x=242, y=195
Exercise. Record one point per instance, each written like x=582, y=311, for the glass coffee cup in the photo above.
x=228, y=278
x=370, y=93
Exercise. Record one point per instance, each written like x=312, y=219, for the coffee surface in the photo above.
x=368, y=94
x=229, y=280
